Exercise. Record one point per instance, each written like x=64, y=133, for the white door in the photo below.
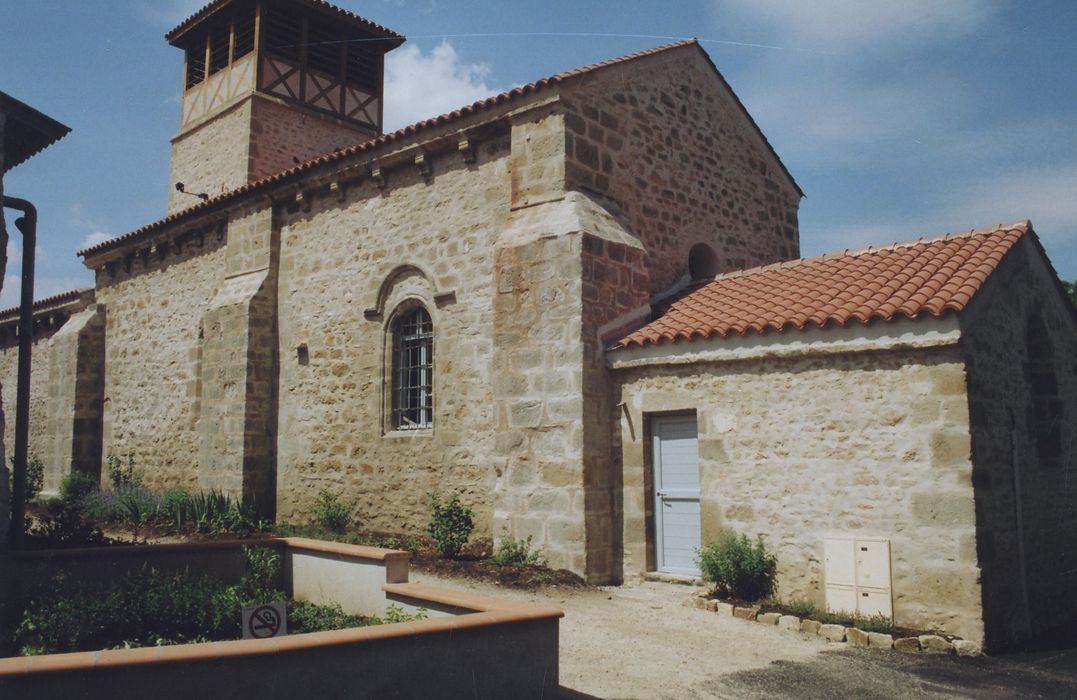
x=676, y=493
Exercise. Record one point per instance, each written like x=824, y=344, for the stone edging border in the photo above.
x=927, y=643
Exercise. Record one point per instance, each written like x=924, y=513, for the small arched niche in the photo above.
x=702, y=262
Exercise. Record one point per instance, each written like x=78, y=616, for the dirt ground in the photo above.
x=640, y=641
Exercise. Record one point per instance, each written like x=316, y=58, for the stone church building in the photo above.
x=578, y=304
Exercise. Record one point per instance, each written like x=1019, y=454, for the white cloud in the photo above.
x=94, y=238
x=419, y=86
x=846, y=25
x=168, y=13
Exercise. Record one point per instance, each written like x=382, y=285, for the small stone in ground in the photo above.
x=856, y=638
x=768, y=618
x=746, y=613
x=725, y=609
x=878, y=640
x=832, y=633
x=934, y=644
x=810, y=626
x=964, y=647
x=789, y=622
x=910, y=645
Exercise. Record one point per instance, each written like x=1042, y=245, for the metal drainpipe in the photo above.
x=27, y=225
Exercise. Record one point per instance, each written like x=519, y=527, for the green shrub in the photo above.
x=75, y=485
x=801, y=607
x=35, y=477
x=394, y=613
x=738, y=567
x=868, y=623
x=330, y=513
x=145, y=607
x=450, y=524
x=122, y=472
x=63, y=527
x=514, y=552
x=175, y=508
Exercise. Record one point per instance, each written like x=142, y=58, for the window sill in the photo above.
x=411, y=433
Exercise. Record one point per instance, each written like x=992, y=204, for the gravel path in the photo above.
x=640, y=641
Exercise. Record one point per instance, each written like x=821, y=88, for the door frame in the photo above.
x=654, y=421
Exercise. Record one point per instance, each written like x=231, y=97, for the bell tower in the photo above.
x=268, y=84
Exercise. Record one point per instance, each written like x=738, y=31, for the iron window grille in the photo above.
x=413, y=370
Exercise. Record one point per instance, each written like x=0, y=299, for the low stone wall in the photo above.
x=484, y=647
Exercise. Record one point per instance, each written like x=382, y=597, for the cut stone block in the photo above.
x=878, y=640
x=964, y=647
x=934, y=644
x=746, y=613
x=789, y=622
x=832, y=633
x=909, y=645
x=770, y=618
x=810, y=626
x=856, y=638
x=725, y=609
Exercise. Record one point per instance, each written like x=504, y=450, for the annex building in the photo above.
x=580, y=305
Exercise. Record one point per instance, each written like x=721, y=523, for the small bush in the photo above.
x=35, y=477
x=62, y=527
x=450, y=524
x=801, y=607
x=304, y=616
x=868, y=623
x=738, y=567
x=75, y=486
x=122, y=472
x=330, y=513
x=514, y=552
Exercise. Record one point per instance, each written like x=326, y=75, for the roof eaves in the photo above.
x=39, y=131
x=209, y=9
x=373, y=144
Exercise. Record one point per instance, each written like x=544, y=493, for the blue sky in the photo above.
x=899, y=118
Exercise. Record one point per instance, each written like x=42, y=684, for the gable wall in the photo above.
x=871, y=444
x=665, y=139
x=1026, y=509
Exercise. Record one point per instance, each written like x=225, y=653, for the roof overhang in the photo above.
x=26, y=131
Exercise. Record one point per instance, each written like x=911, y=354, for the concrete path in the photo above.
x=640, y=641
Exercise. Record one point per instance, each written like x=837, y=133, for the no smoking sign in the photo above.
x=264, y=621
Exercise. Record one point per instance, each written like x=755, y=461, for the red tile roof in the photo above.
x=321, y=5
x=927, y=276
x=54, y=300
x=406, y=131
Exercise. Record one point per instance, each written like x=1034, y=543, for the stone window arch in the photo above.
x=702, y=262
x=412, y=377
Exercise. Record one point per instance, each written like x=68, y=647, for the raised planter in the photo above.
x=470, y=645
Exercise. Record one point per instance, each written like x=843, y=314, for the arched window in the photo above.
x=413, y=370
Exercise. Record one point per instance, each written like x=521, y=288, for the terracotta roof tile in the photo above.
x=340, y=12
x=929, y=275
x=372, y=144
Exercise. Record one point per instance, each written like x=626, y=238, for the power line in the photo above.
x=577, y=35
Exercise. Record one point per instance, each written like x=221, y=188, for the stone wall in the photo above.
x=346, y=265
x=75, y=386
x=211, y=158
x=1020, y=340
x=282, y=136
x=155, y=303
x=49, y=322
x=872, y=444
x=254, y=138
x=668, y=141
